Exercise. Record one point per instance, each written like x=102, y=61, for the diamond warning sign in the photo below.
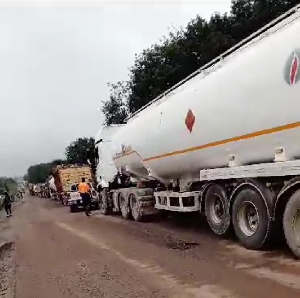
x=190, y=120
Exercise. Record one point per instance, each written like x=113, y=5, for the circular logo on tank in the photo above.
x=291, y=69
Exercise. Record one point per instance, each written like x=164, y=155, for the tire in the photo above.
x=103, y=202
x=217, y=209
x=124, y=207
x=73, y=209
x=291, y=223
x=97, y=206
x=135, y=207
x=254, y=230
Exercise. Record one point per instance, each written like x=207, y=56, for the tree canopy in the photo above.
x=76, y=152
x=40, y=172
x=8, y=184
x=115, y=110
x=176, y=56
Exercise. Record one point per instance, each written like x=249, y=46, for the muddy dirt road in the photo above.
x=58, y=254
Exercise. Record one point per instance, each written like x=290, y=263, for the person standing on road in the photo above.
x=84, y=190
x=7, y=204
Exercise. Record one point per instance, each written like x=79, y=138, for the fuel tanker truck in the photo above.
x=224, y=142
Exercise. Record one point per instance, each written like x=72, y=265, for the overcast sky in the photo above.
x=56, y=59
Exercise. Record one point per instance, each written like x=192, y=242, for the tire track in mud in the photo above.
x=157, y=274
x=273, y=267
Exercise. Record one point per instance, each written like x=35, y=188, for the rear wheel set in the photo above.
x=135, y=205
x=104, y=203
x=251, y=219
x=73, y=208
x=247, y=214
x=217, y=209
x=124, y=206
x=291, y=223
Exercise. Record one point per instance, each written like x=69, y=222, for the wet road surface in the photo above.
x=53, y=253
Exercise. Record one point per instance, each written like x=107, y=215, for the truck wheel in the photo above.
x=103, y=202
x=250, y=219
x=73, y=209
x=135, y=208
x=124, y=206
x=291, y=223
x=97, y=206
x=217, y=209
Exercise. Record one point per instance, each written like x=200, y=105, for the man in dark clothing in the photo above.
x=7, y=204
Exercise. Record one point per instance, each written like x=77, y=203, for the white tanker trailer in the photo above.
x=225, y=142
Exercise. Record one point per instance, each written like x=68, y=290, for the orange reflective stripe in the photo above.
x=252, y=135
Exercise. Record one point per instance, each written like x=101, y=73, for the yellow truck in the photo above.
x=67, y=175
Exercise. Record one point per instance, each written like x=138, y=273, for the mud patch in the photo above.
x=166, y=239
x=159, y=277
x=4, y=247
x=181, y=245
x=6, y=270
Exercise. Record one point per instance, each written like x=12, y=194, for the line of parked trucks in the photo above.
x=62, y=186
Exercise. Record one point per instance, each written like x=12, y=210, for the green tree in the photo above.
x=40, y=172
x=176, y=56
x=115, y=110
x=76, y=152
x=8, y=184
x=156, y=70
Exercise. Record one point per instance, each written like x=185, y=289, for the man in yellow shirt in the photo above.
x=84, y=190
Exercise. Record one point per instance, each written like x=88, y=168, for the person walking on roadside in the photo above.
x=7, y=204
x=84, y=190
